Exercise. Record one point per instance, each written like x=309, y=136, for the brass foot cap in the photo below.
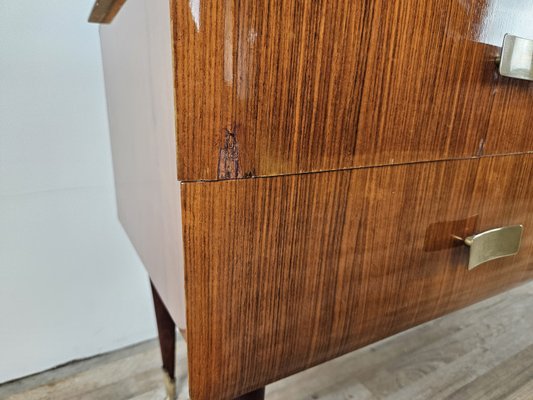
x=170, y=385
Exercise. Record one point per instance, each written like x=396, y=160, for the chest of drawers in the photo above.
x=303, y=178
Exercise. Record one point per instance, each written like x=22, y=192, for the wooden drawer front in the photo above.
x=278, y=87
x=286, y=272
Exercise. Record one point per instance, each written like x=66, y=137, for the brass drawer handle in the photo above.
x=493, y=244
x=516, y=60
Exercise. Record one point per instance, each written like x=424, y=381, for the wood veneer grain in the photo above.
x=510, y=129
x=310, y=85
x=283, y=273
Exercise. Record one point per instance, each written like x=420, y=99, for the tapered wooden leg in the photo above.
x=257, y=395
x=167, y=342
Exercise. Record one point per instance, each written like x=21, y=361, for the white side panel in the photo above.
x=137, y=54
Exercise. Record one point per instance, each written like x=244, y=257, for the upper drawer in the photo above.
x=281, y=87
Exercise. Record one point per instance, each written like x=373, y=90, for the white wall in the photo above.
x=71, y=285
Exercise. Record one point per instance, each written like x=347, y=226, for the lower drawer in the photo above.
x=286, y=272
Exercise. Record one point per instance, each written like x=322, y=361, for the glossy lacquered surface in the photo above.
x=283, y=273
x=278, y=87
x=289, y=270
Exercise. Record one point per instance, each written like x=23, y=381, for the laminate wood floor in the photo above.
x=484, y=352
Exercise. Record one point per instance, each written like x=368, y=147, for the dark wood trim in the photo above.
x=105, y=10
x=259, y=394
x=167, y=334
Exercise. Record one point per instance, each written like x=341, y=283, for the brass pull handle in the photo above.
x=493, y=244
x=516, y=60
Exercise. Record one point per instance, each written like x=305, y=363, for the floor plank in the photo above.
x=484, y=352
